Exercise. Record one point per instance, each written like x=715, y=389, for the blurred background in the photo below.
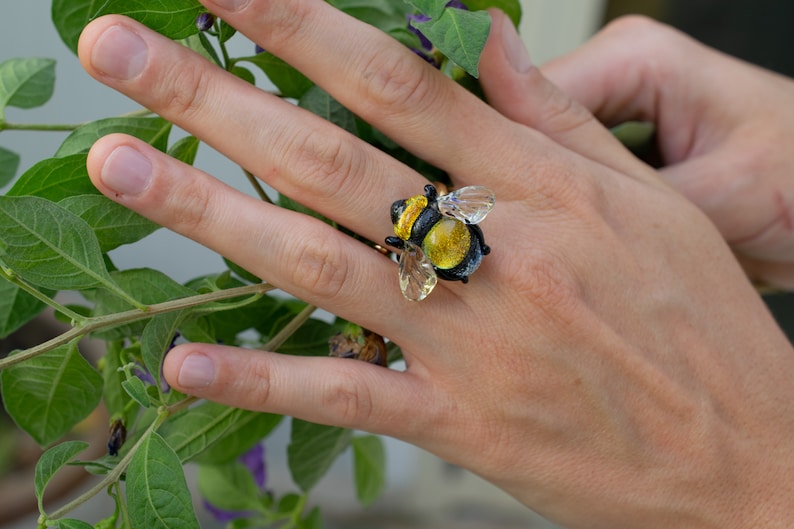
x=423, y=491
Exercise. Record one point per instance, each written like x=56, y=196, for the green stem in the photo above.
x=10, y=276
x=46, y=127
x=63, y=127
x=112, y=476
x=254, y=181
x=100, y=322
x=140, y=113
x=289, y=329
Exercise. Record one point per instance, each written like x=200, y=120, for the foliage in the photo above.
x=55, y=234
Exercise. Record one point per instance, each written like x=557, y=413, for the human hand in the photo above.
x=723, y=129
x=608, y=364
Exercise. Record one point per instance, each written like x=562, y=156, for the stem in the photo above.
x=111, y=476
x=63, y=127
x=254, y=181
x=10, y=276
x=100, y=322
x=140, y=113
x=289, y=329
x=46, y=127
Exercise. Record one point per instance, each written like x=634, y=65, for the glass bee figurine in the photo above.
x=439, y=237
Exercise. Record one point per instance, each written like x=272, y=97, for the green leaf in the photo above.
x=213, y=433
x=319, y=102
x=55, y=179
x=50, y=462
x=156, y=339
x=230, y=487
x=511, y=8
x=242, y=434
x=289, y=81
x=369, y=466
x=71, y=16
x=135, y=388
x=26, y=83
x=460, y=35
x=9, y=163
x=114, y=396
x=153, y=131
x=314, y=520
x=113, y=224
x=157, y=493
x=312, y=340
x=185, y=150
x=49, y=246
x=71, y=523
x=387, y=15
x=150, y=286
x=226, y=31
x=431, y=8
x=17, y=307
x=312, y=450
x=226, y=325
x=176, y=19
x=48, y=394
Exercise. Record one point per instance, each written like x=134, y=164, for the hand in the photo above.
x=723, y=129
x=608, y=364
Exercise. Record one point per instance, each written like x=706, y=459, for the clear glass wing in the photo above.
x=468, y=204
x=417, y=276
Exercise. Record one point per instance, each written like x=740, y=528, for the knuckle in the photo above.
x=257, y=383
x=392, y=83
x=347, y=401
x=186, y=88
x=285, y=21
x=561, y=112
x=318, y=266
x=325, y=162
x=633, y=25
x=189, y=208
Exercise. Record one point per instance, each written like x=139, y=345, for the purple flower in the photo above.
x=424, y=41
x=205, y=21
x=145, y=376
x=254, y=461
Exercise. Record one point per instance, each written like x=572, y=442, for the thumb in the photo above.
x=520, y=91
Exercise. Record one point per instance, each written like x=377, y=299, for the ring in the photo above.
x=438, y=237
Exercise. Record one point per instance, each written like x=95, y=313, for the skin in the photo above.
x=609, y=364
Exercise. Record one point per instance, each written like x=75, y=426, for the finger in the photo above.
x=298, y=153
x=295, y=252
x=335, y=391
x=520, y=91
x=639, y=69
x=385, y=83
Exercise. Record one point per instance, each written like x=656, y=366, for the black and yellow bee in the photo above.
x=439, y=237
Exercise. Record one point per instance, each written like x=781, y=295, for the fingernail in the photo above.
x=127, y=171
x=231, y=5
x=119, y=53
x=197, y=372
x=515, y=50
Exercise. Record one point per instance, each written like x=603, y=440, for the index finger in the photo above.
x=385, y=83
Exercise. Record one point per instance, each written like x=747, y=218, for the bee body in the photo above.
x=452, y=245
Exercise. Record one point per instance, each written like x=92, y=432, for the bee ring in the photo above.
x=438, y=237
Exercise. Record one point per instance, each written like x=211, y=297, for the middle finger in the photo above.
x=298, y=153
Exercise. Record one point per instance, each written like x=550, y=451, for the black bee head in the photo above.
x=397, y=209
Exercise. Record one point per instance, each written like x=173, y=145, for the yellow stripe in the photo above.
x=413, y=207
